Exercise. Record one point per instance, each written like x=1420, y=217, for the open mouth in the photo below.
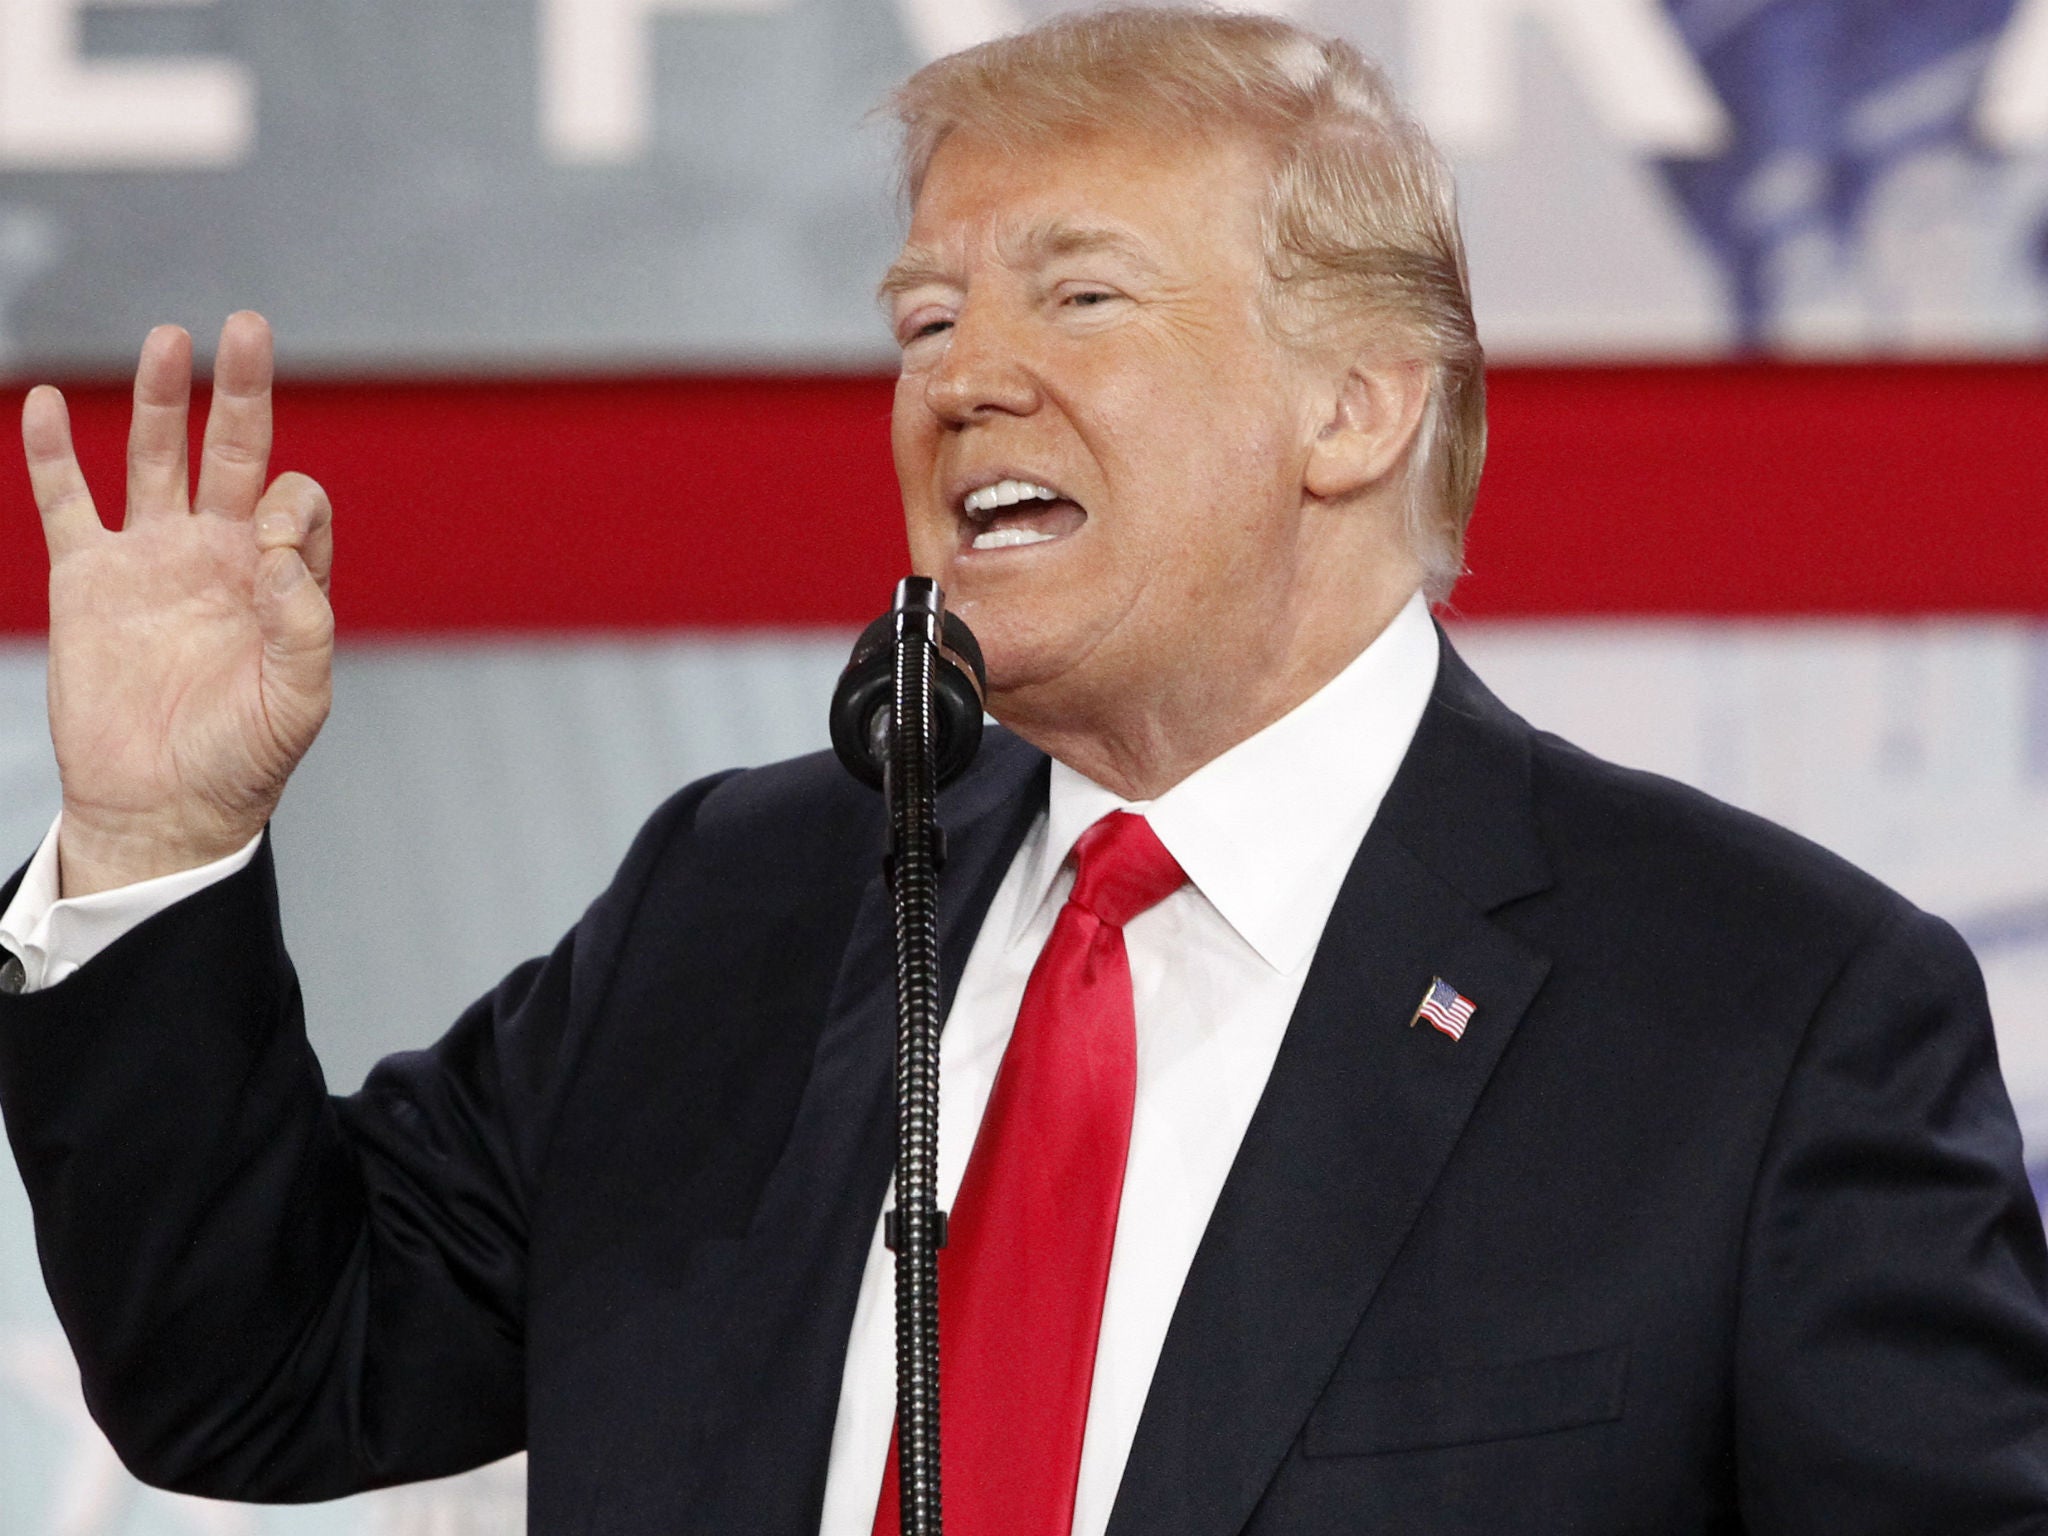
x=1013, y=514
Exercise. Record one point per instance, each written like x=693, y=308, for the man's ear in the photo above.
x=1371, y=422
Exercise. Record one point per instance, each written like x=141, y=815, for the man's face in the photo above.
x=1085, y=321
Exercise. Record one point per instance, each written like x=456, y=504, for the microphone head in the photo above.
x=865, y=696
x=960, y=690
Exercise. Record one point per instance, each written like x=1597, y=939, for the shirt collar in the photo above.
x=1267, y=831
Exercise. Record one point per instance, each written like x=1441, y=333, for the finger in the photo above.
x=158, y=474
x=69, y=518
x=236, y=458
x=296, y=514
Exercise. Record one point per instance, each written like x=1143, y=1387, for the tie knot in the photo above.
x=1121, y=868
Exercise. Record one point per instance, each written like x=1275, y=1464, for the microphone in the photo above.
x=924, y=656
x=864, y=701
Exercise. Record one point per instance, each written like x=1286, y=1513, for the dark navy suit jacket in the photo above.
x=1714, y=1220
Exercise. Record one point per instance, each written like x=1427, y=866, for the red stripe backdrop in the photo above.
x=1763, y=489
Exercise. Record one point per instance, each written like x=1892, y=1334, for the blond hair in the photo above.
x=1361, y=224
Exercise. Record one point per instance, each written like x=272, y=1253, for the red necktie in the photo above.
x=1027, y=1257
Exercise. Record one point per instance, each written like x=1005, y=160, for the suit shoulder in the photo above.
x=743, y=824
x=1668, y=851
x=808, y=808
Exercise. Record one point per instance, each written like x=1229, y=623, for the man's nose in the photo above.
x=983, y=372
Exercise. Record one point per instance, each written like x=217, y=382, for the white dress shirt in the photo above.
x=1266, y=833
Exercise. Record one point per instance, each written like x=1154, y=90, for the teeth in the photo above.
x=1007, y=493
x=1006, y=538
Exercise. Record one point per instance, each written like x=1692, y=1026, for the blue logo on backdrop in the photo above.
x=1830, y=98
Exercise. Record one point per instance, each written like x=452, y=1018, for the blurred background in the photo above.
x=575, y=319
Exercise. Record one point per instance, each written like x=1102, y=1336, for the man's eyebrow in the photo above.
x=1047, y=241
x=913, y=269
x=1033, y=247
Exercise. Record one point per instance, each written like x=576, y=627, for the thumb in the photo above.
x=296, y=621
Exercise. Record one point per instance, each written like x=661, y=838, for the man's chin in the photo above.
x=1018, y=663
x=1032, y=632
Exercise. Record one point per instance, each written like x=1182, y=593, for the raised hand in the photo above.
x=191, y=653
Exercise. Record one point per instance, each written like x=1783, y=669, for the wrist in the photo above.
x=94, y=854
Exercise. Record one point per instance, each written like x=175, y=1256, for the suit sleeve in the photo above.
x=274, y=1294
x=1892, y=1364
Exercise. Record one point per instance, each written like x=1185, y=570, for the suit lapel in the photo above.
x=1357, y=1121
x=801, y=1265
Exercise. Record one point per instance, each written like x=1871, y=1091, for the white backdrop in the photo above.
x=567, y=184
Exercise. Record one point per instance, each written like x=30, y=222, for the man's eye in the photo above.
x=919, y=330
x=1090, y=296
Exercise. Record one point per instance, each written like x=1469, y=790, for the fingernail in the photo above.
x=287, y=573
x=279, y=526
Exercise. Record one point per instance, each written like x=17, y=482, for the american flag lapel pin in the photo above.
x=1446, y=1008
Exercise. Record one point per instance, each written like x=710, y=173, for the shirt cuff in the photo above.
x=50, y=938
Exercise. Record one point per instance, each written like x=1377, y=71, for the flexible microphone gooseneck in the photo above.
x=906, y=719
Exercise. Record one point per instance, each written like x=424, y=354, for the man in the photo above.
x=1409, y=1124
